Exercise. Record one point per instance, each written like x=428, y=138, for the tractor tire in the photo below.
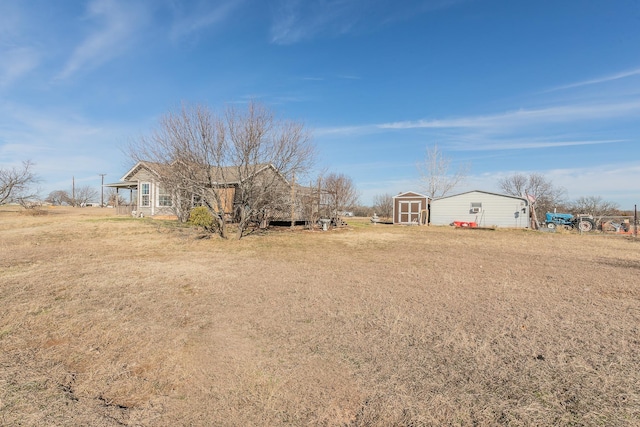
x=551, y=226
x=586, y=225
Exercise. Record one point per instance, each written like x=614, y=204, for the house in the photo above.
x=150, y=196
x=484, y=208
x=410, y=208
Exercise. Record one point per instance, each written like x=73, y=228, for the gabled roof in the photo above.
x=227, y=175
x=150, y=166
x=484, y=192
x=410, y=194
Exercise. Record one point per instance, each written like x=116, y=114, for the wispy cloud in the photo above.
x=30, y=127
x=202, y=16
x=18, y=52
x=16, y=63
x=606, y=180
x=296, y=20
x=61, y=143
x=530, y=143
x=115, y=24
x=333, y=77
x=501, y=122
x=520, y=118
x=10, y=22
x=609, y=78
x=299, y=20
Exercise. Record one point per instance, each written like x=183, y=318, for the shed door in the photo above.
x=410, y=212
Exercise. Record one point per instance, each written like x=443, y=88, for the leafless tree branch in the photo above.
x=15, y=182
x=436, y=175
x=236, y=163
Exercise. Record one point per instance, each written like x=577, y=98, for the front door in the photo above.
x=410, y=212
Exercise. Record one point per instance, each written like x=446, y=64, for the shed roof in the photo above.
x=485, y=192
x=410, y=194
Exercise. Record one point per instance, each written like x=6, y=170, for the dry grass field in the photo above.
x=114, y=321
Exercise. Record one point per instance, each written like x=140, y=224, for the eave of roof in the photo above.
x=484, y=192
x=410, y=192
x=125, y=184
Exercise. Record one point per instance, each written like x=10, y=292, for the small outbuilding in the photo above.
x=484, y=208
x=410, y=209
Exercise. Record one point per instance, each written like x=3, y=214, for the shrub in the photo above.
x=201, y=217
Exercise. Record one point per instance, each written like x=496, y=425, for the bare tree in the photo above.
x=236, y=164
x=15, y=183
x=187, y=150
x=83, y=195
x=30, y=203
x=114, y=198
x=342, y=194
x=546, y=195
x=263, y=150
x=383, y=205
x=436, y=175
x=312, y=202
x=58, y=197
x=595, y=206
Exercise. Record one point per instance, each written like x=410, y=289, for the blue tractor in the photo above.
x=581, y=222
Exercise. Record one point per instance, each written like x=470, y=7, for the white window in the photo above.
x=145, y=188
x=476, y=207
x=164, y=197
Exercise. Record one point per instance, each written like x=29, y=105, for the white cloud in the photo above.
x=299, y=20
x=62, y=144
x=611, y=77
x=523, y=117
x=287, y=27
x=611, y=181
x=17, y=62
x=525, y=128
x=346, y=130
x=115, y=25
x=529, y=143
x=202, y=17
x=294, y=21
x=10, y=22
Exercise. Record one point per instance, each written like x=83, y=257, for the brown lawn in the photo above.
x=111, y=321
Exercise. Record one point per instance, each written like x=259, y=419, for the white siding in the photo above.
x=497, y=210
x=144, y=176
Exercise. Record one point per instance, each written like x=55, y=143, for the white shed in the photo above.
x=482, y=207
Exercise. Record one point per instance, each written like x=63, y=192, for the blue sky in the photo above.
x=551, y=87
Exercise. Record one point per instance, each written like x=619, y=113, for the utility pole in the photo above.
x=73, y=191
x=102, y=190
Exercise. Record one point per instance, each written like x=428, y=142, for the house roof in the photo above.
x=150, y=166
x=219, y=175
x=124, y=184
x=233, y=174
x=484, y=192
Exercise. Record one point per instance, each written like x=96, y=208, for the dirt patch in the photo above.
x=126, y=322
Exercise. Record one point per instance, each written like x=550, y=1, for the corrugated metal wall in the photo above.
x=496, y=210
